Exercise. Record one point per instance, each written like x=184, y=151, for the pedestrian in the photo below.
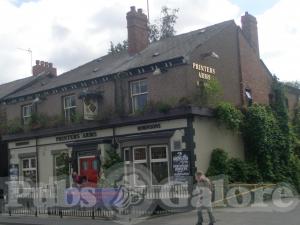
x=204, y=191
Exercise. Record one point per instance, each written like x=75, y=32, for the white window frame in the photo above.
x=67, y=109
x=26, y=117
x=159, y=160
x=143, y=161
x=136, y=95
x=30, y=168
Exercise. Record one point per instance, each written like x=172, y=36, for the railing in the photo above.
x=153, y=193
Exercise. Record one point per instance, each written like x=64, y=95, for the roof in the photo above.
x=160, y=51
x=11, y=87
x=18, y=86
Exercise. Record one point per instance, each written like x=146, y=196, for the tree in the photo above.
x=164, y=26
x=161, y=29
x=295, y=84
x=118, y=48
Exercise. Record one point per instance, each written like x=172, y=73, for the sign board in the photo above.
x=90, y=108
x=204, y=72
x=14, y=172
x=181, y=165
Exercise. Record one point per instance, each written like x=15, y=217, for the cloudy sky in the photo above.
x=69, y=33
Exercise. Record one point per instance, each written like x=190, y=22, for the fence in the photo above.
x=130, y=197
x=154, y=194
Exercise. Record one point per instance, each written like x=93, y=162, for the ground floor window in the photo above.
x=159, y=164
x=29, y=169
x=152, y=158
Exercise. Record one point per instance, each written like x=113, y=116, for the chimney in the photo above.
x=249, y=28
x=138, y=33
x=41, y=66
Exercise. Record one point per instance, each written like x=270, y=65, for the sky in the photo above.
x=69, y=33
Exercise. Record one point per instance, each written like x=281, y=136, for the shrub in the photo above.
x=218, y=163
x=208, y=94
x=14, y=126
x=38, y=121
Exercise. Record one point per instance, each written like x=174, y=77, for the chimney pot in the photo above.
x=43, y=67
x=140, y=11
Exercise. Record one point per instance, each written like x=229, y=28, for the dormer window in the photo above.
x=26, y=113
x=69, y=107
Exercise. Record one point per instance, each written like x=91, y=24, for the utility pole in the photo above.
x=30, y=53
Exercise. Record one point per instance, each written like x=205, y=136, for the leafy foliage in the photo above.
x=230, y=116
x=218, y=163
x=118, y=48
x=208, y=93
x=164, y=26
x=236, y=169
x=112, y=159
x=295, y=84
x=161, y=29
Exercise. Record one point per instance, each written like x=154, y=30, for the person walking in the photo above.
x=204, y=191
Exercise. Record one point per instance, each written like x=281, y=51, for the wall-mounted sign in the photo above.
x=90, y=108
x=204, y=72
x=14, y=172
x=181, y=165
x=148, y=126
x=76, y=136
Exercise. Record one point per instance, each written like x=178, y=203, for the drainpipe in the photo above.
x=37, y=164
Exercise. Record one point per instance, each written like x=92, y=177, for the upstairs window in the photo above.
x=249, y=96
x=139, y=95
x=26, y=113
x=69, y=107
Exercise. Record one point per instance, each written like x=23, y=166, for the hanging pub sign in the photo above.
x=90, y=107
x=181, y=165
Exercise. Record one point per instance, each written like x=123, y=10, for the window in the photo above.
x=127, y=166
x=249, y=96
x=159, y=163
x=139, y=94
x=139, y=163
x=61, y=166
x=69, y=107
x=29, y=169
x=26, y=113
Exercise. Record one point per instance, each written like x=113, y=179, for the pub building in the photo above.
x=112, y=91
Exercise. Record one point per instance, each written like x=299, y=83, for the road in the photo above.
x=225, y=216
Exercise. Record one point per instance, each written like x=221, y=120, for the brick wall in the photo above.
x=254, y=75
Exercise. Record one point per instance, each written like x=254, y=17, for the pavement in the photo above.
x=269, y=215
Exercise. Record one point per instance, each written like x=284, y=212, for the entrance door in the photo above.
x=89, y=168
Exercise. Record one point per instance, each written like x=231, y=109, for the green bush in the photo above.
x=38, y=121
x=207, y=94
x=218, y=163
x=237, y=170
x=229, y=115
x=14, y=126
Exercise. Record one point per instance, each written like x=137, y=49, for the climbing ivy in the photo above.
x=229, y=115
x=272, y=142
